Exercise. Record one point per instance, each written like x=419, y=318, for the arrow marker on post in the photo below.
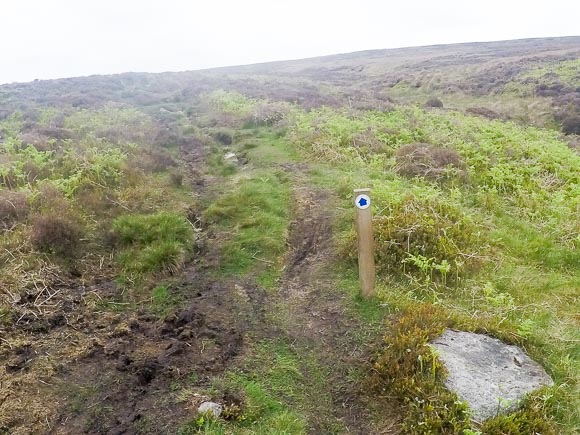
x=363, y=201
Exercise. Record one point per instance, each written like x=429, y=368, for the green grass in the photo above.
x=163, y=300
x=254, y=216
x=153, y=243
x=281, y=386
x=517, y=210
x=218, y=164
x=266, y=148
x=525, y=285
x=520, y=239
x=253, y=211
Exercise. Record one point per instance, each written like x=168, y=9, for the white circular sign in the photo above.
x=362, y=201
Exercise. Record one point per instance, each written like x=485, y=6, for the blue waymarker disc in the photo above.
x=362, y=201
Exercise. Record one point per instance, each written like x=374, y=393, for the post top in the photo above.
x=366, y=190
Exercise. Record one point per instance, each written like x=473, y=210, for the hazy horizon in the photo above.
x=63, y=38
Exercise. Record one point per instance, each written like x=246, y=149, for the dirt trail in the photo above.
x=95, y=370
x=318, y=314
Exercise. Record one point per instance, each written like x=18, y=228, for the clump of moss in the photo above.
x=408, y=369
x=532, y=418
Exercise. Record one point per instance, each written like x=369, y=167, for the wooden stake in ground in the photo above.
x=366, y=254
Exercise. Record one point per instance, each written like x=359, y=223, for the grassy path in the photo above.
x=317, y=318
x=303, y=368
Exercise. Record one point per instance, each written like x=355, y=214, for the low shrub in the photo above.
x=484, y=112
x=223, y=137
x=14, y=207
x=430, y=162
x=434, y=102
x=267, y=113
x=176, y=178
x=97, y=201
x=571, y=124
x=49, y=197
x=55, y=234
x=155, y=160
x=368, y=143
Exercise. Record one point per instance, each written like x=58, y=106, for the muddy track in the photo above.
x=319, y=317
x=82, y=365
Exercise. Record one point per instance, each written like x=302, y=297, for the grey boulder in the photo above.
x=491, y=376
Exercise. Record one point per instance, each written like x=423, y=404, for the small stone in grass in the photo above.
x=215, y=409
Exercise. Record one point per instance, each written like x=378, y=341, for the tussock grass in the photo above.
x=153, y=243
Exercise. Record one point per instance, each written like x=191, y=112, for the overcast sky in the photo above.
x=42, y=39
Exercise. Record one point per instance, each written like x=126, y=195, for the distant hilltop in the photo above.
x=462, y=76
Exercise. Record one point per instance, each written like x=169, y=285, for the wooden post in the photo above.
x=366, y=254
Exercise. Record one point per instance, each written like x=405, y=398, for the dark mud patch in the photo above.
x=310, y=234
x=193, y=153
x=94, y=371
x=133, y=370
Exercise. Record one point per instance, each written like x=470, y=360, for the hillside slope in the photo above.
x=167, y=239
x=532, y=80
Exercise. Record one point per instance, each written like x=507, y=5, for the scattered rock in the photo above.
x=231, y=158
x=491, y=376
x=210, y=407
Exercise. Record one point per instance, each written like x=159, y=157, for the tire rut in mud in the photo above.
x=319, y=318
